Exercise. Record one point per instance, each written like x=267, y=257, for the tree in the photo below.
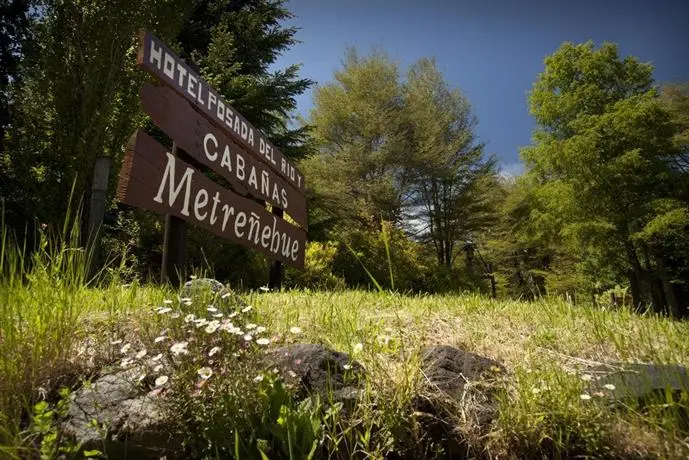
x=15, y=28
x=15, y=21
x=358, y=121
x=79, y=97
x=234, y=43
x=602, y=156
x=448, y=176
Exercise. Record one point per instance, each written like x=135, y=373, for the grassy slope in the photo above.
x=548, y=347
x=53, y=330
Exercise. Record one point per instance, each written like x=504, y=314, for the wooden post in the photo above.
x=97, y=205
x=275, y=275
x=174, y=247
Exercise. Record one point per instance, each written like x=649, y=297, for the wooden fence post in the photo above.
x=97, y=205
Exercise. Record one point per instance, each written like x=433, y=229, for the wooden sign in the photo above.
x=159, y=60
x=210, y=146
x=153, y=179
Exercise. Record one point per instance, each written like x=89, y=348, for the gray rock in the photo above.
x=314, y=368
x=115, y=415
x=446, y=375
x=212, y=291
x=643, y=382
x=448, y=369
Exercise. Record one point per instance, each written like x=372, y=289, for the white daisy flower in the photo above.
x=358, y=347
x=347, y=366
x=162, y=380
x=225, y=295
x=247, y=309
x=159, y=339
x=584, y=397
x=213, y=351
x=125, y=348
x=157, y=357
x=212, y=327
x=258, y=378
x=211, y=309
x=141, y=354
x=609, y=386
x=167, y=301
x=179, y=348
x=158, y=368
x=162, y=311
x=248, y=337
x=218, y=315
x=260, y=329
x=189, y=318
x=295, y=330
x=250, y=326
x=262, y=341
x=205, y=373
x=232, y=315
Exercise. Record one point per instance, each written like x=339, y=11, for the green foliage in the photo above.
x=234, y=44
x=79, y=97
x=403, y=152
x=44, y=427
x=358, y=130
x=602, y=161
x=450, y=181
x=318, y=268
x=389, y=257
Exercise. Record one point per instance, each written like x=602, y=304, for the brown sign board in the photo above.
x=210, y=146
x=153, y=179
x=160, y=61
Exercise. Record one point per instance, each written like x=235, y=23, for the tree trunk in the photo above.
x=654, y=284
x=668, y=288
x=634, y=278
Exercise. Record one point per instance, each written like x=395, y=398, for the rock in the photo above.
x=643, y=382
x=448, y=369
x=212, y=291
x=316, y=369
x=115, y=415
x=452, y=377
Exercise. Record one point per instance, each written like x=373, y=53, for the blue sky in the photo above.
x=490, y=49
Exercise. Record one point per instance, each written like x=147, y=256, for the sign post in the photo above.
x=173, y=265
x=213, y=134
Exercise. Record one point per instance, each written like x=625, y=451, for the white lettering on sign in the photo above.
x=173, y=193
x=245, y=227
x=259, y=179
x=187, y=82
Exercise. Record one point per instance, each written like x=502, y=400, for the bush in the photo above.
x=318, y=268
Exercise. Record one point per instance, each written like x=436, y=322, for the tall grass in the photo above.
x=55, y=329
x=53, y=325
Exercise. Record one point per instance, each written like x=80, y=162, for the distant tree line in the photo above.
x=402, y=194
